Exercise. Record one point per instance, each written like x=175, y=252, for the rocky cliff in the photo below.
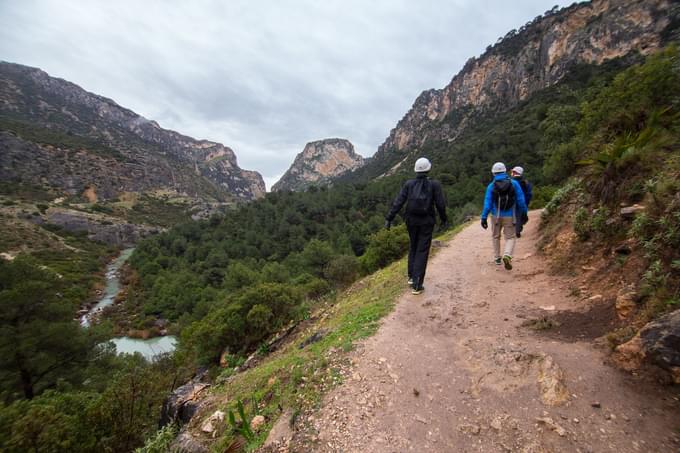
x=525, y=61
x=318, y=163
x=52, y=132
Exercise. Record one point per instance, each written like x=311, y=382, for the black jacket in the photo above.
x=407, y=191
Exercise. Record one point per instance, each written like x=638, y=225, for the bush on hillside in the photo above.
x=384, y=247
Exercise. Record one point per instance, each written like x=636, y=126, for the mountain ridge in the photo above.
x=30, y=95
x=521, y=63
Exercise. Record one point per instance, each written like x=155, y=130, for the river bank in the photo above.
x=148, y=342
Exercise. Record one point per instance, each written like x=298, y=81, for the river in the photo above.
x=126, y=345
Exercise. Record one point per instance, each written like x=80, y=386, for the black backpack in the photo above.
x=504, y=194
x=523, y=185
x=419, y=198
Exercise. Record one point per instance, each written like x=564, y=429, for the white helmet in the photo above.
x=518, y=170
x=422, y=165
x=498, y=167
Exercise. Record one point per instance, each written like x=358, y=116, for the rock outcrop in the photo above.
x=54, y=133
x=657, y=343
x=525, y=61
x=661, y=343
x=319, y=163
x=183, y=402
x=98, y=227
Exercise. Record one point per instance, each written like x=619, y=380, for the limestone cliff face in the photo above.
x=45, y=122
x=318, y=163
x=530, y=59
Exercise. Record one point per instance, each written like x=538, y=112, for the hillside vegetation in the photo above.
x=621, y=210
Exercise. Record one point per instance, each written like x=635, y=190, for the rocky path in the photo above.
x=454, y=370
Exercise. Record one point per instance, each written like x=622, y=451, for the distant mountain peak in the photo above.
x=319, y=163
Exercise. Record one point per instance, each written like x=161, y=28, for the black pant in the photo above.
x=420, y=240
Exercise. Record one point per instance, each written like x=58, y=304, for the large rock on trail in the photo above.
x=661, y=343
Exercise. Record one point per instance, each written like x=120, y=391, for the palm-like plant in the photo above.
x=607, y=165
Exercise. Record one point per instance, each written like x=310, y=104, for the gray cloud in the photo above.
x=263, y=77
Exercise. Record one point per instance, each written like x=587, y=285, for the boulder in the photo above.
x=186, y=443
x=629, y=212
x=630, y=355
x=183, y=402
x=281, y=432
x=314, y=338
x=257, y=422
x=212, y=424
x=661, y=342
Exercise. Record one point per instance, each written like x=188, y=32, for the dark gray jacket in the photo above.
x=415, y=189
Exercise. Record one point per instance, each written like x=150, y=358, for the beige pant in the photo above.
x=505, y=224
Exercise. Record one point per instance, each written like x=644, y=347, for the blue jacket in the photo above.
x=490, y=205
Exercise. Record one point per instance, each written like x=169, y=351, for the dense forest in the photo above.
x=227, y=283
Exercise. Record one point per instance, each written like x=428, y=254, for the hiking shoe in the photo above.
x=507, y=262
x=417, y=290
x=410, y=282
x=498, y=261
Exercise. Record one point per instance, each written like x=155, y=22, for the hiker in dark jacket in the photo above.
x=517, y=174
x=503, y=199
x=421, y=196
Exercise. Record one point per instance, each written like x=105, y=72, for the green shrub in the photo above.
x=240, y=275
x=642, y=227
x=316, y=256
x=259, y=318
x=160, y=442
x=561, y=162
x=342, y=270
x=561, y=195
x=542, y=196
x=384, y=247
x=311, y=286
x=582, y=223
x=598, y=223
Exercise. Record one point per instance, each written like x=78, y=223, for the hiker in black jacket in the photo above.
x=517, y=174
x=421, y=195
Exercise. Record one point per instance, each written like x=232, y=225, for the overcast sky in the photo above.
x=262, y=77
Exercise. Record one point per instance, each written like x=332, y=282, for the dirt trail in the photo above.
x=454, y=370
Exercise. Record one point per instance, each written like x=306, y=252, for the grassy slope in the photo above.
x=79, y=261
x=296, y=379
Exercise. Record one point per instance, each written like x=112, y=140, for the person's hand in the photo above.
x=485, y=224
x=388, y=224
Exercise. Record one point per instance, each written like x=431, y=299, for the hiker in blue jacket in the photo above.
x=517, y=174
x=502, y=196
x=421, y=196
